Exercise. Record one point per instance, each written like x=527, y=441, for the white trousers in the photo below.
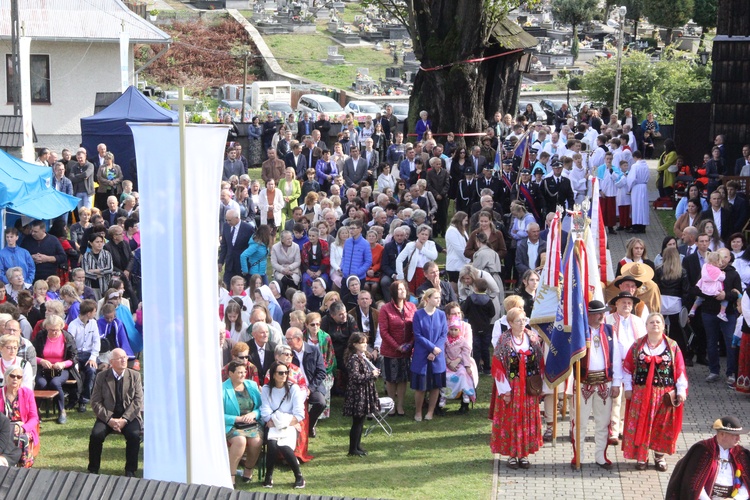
x=595, y=400
x=618, y=416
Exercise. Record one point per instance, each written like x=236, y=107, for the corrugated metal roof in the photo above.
x=79, y=20
x=23, y=484
x=511, y=36
x=11, y=132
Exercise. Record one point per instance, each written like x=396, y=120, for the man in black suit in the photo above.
x=478, y=161
x=557, y=190
x=310, y=360
x=355, y=168
x=110, y=216
x=261, y=350
x=339, y=325
x=721, y=217
x=297, y=161
x=524, y=256
x=284, y=145
x=305, y=127
x=743, y=160
x=693, y=264
x=738, y=207
x=388, y=261
x=507, y=182
x=487, y=181
x=528, y=193
x=366, y=316
x=689, y=238
x=311, y=152
x=234, y=240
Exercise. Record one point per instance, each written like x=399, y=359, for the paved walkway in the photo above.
x=551, y=475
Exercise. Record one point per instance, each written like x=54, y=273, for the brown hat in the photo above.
x=638, y=270
x=730, y=425
x=622, y=279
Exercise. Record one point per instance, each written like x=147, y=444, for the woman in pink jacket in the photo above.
x=18, y=404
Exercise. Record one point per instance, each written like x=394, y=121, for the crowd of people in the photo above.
x=330, y=282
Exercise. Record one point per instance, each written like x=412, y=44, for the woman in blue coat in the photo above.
x=253, y=259
x=428, y=359
x=241, y=419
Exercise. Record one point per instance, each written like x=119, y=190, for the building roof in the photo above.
x=11, y=132
x=79, y=20
x=511, y=36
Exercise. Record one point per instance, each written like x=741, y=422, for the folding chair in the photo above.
x=380, y=417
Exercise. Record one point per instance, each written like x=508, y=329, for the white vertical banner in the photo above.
x=124, y=61
x=184, y=437
x=24, y=55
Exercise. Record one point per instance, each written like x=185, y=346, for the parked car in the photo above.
x=314, y=103
x=540, y=114
x=362, y=109
x=550, y=106
x=400, y=110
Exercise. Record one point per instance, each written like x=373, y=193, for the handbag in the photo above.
x=534, y=385
x=669, y=399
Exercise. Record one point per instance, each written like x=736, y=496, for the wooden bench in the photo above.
x=47, y=397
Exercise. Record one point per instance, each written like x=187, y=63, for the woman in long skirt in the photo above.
x=652, y=368
x=516, y=424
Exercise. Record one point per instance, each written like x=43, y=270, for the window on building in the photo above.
x=40, y=88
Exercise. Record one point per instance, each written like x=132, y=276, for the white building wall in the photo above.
x=78, y=71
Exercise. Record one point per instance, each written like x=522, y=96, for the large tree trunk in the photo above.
x=459, y=97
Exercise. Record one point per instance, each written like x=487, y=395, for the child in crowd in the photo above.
x=233, y=320
x=40, y=293
x=300, y=235
x=623, y=197
x=85, y=331
x=479, y=310
x=310, y=185
x=127, y=189
x=237, y=289
x=711, y=283
x=459, y=377
x=53, y=287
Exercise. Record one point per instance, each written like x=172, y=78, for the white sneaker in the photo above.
x=712, y=377
x=731, y=381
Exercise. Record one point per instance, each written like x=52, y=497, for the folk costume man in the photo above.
x=714, y=468
x=601, y=377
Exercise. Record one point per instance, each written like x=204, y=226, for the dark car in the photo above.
x=550, y=106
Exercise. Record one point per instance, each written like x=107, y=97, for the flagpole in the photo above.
x=578, y=415
x=554, y=417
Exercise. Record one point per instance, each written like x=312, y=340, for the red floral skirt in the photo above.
x=743, y=367
x=300, y=451
x=662, y=424
x=517, y=425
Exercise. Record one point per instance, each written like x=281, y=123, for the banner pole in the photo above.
x=578, y=415
x=554, y=417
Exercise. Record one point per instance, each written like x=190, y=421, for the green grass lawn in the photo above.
x=667, y=220
x=448, y=457
x=305, y=55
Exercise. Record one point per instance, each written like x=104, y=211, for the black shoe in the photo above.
x=605, y=466
x=82, y=408
x=440, y=411
x=464, y=408
x=129, y=473
x=357, y=453
x=299, y=483
x=268, y=483
x=362, y=451
x=313, y=433
x=611, y=230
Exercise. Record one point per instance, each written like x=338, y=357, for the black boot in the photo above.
x=464, y=408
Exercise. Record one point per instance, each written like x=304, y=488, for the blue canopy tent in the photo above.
x=26, y=189
x=109, y=126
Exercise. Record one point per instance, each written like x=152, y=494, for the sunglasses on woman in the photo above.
x=282, y=373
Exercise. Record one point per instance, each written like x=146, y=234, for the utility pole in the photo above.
x=15, y=34
x=244, y=88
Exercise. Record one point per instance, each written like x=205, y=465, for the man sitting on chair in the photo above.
x=117, y=402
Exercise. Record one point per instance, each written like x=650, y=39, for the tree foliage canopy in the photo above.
x=647, y=86
x=668, y=13
x=574, y=12
x=705, y=13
